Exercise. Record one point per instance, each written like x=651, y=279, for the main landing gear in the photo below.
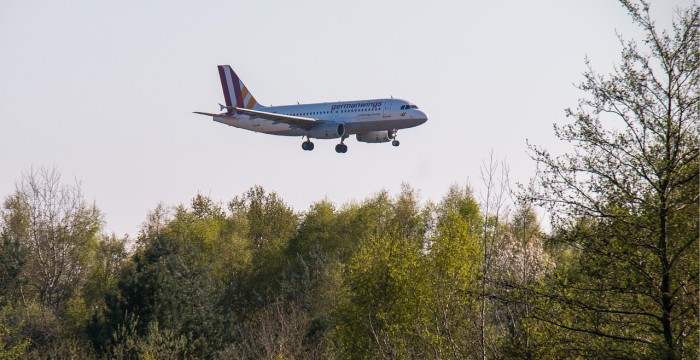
x=307, y=145
x=341, y=148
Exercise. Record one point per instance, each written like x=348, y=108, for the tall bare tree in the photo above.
x=494, y=204
x=57, y=230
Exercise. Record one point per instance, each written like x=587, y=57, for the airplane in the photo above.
x=371, y=121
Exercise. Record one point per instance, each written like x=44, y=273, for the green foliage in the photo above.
x=12, y=345
x=391, y=276
x=270, y=221
x=169, y=283
x=193, y=272
x=626, y=204
x=268, y=225
x=49, y=234
x=408, y=289
x=384, y=301
x=453, y=264
x=156, y=344
x=519, y=262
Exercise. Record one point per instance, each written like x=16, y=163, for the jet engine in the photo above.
x=374, y=137
x=327, y=131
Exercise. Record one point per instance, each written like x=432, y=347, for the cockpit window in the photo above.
x=414, y=107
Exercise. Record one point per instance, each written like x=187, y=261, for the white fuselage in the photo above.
x=358, y=117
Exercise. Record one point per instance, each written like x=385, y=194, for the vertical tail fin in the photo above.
x=235, y=93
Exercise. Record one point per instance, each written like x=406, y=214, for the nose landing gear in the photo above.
x=392, y=135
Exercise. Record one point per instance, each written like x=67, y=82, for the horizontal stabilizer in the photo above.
x=209, y=114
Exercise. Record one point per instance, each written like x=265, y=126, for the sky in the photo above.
x=104, y=92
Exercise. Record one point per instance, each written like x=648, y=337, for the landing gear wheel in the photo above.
x=341, y=148
x=307, y=145
x=395, y=143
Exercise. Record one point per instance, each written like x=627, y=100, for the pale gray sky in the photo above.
x=104, y=90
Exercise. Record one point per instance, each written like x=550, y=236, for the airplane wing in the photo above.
x=293, y=121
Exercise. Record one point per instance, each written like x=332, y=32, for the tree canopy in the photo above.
x=471, y=276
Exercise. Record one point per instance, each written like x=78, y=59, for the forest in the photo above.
x=475, y=275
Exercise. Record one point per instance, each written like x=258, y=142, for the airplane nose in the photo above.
x=422, y=116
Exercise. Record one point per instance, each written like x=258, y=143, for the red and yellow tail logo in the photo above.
x=235, y=93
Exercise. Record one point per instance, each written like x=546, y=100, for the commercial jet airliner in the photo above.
x=371, y=121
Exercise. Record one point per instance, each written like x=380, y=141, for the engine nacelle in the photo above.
x=373, y=137
x=327, y=131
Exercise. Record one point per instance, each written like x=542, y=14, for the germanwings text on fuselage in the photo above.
x=361, y=105
x=371, y=121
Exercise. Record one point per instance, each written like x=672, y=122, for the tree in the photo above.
x=55, y=230
x=453, y=264
x=519, y=261
x=10, y=347
x=383, y=309
x=495, y=210
x=271, y=222
x=170, y=283
x=625, y=201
